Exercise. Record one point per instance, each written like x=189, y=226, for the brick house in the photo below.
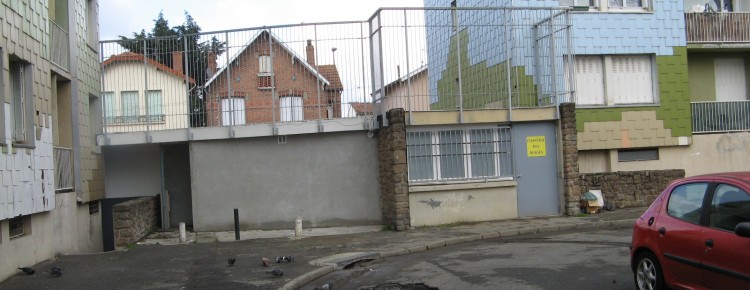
x=267, y=81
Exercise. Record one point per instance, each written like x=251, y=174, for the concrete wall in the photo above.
x=709, y=153
x=66, y=230
x=328, y=179
x=446, y=204
x=132, y=170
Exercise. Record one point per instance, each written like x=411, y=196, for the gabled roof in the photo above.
x=130, y=56
x=361, y=109
x=276, y=40
x=330, y=72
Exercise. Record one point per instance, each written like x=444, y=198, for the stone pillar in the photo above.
x=572, y=183
x=394, y=187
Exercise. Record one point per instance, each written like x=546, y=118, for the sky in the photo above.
x=123, y=17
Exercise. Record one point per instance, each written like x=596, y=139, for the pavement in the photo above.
x=161, y=262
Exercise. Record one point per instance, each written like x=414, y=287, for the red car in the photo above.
x=695, y=235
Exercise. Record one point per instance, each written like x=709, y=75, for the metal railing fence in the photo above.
x=720, y=116
x=445, y=59
x=63, y=169
x=419, y=59
x=717, y=27
x=275, y=74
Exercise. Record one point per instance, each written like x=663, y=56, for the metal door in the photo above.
x=535, y=154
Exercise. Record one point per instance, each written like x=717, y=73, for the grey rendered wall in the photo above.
x=132, y=170
x=328, y=179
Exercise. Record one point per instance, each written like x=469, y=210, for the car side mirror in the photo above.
x=743, y=230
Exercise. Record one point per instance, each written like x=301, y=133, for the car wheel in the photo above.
x=648, y=275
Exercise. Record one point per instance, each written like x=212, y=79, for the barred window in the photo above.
x=461, y=154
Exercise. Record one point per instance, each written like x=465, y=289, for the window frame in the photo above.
x=672, y=195
x=92, y=25
x=21, y=131
x=501, y=154
x=127, y=118
x=151, y=117
x=605, y=6
x=713, y=205
x=229, y=109
x=610, y=82
x=109, y=105
x=22, y=223
x=295, y=111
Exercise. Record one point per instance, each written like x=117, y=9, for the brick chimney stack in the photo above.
x=177, y=61
x=211, y=66
x=310, y=52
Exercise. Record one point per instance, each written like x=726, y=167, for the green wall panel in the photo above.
x=481, y=85
x=674, y=98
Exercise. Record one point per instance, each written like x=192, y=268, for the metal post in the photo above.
x=186, y=68
x=460, y=80
x=553, y=62
x=571, y=59
x=408, y=69
x=145, y=91
x=273, y=86
x=236, y=224
x=104, y=89
x=229, y=87
x=317, y=71
x=509, y=58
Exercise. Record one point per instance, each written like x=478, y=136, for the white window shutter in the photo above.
x=631, y=80
x=589, y=80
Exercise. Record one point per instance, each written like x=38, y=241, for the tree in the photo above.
x=162, y=40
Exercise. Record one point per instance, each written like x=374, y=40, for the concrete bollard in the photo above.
x=183, y=235
x=298, y=227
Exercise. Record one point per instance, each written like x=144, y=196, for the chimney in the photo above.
x=211, y=66
x=310, y=52
x=177, y=61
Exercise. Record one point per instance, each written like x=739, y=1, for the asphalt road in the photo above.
x=564, y=260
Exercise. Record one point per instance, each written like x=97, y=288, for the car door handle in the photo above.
x=710, y=243
x=662, y=231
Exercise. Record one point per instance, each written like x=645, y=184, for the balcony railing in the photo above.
x=714, y=117
x=717, y=27
x=59, y=48
x=63, y=169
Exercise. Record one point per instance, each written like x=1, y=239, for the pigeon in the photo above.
x=276, y=273
x=231, y=261
x=27, y=270
x=55, y=271
x=327, y=286
x=265, y=262
x=284, y=259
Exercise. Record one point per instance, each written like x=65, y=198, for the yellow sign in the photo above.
x=535, y=146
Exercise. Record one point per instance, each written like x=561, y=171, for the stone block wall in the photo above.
x=630, y=188
x=571, y=182
x=394, y=186
x=134, y=219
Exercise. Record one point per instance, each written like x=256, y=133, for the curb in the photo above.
x=320, y=272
